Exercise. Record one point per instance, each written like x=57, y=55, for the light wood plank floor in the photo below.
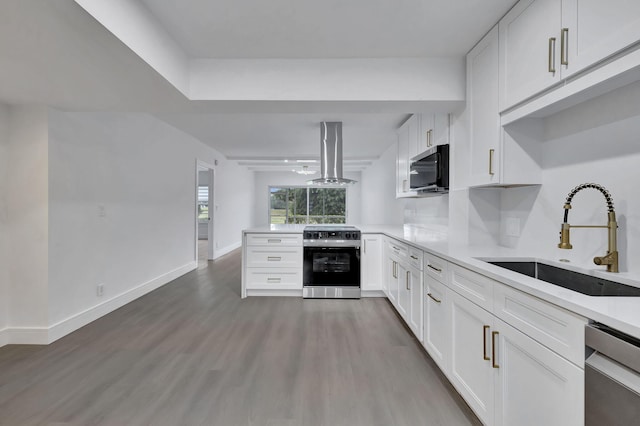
x=194, y=353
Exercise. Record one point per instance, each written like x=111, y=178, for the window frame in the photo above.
x=308, y=188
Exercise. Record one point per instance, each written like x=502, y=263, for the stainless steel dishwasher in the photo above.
x=612, y=377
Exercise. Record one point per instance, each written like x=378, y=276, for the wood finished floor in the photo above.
x=194, y=353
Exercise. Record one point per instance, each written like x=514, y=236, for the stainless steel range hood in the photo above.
x=331, y=155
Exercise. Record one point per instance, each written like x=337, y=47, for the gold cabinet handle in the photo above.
x=274, y=258
x=564, y=46
x=552, y=55
x=408, y=280
x=365, y=246
x=491, y=151
x=274, y=280
x=493, y=349
x=484, y=343
x=274, y=240
x=430, y=137
x=434, y=268
x=395, y=269
x=433, y=298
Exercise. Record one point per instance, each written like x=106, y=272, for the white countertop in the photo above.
x=622, y=313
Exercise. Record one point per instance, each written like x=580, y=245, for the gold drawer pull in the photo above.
x=274, y=258
x=434, y=268
x=433, y=298
x=274, y=240
x=491, y=152
x=552, y=56
x=274, y=280
x=484, y=343
x=564, y=46
x=493, y=348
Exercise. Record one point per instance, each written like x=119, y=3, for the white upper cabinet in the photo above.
x=499, y=157
x=482, y=101
x=529, y=49
x=545, y=41
x=418, y=134
x=595, y=29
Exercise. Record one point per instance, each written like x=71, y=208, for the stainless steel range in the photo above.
x=331, y=268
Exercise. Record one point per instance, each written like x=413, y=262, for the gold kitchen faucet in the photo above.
x=611, y=258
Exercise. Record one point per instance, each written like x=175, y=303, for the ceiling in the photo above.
x=327, y=29
x=55, y=53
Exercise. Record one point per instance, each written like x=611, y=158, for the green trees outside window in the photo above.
x=301, y=205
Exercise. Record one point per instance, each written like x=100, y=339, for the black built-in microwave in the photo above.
x=430, y=172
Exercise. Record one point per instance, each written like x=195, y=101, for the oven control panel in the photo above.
x=332, y=235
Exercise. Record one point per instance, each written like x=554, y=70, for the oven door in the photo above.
x=331, y=266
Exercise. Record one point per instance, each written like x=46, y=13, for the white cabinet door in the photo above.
x=484, y=119
x=595, y=29
x=415, y=316
x=371, y=264
x=404, y=294
x=471, y=369
x=440, y=133
x=534, y=386
x=529, y=49
x=402, y=162
x=392, y=280
x=415, y=140
x=436, y=322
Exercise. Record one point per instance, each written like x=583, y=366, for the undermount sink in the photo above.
x=576, y=281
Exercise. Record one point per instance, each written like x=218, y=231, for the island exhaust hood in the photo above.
x=331, y=155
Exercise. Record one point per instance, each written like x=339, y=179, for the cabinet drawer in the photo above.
x=275, y=240
x=473, y=286
x=415, y=258
x=280, y=279
x=398, y=249
x=556, y=328
x=272, y=257
x=436, y=267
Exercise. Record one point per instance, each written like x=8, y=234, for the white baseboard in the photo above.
x=73, y=323
x=4, y=337
x=372, y=293
x=281, y=293
x=226, y=250
x=26, y=336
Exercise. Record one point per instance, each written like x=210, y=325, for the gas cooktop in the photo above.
x=331, y=232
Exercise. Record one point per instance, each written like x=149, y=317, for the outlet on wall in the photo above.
x=100, y=290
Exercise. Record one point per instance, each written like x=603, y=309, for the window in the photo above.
x=304, y=205
x=203, y=203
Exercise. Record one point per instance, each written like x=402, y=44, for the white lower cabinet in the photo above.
x=404, y=294
x=371, y=276
x=534, y=385
x=471, y=369
x=507, y=377
x=437, y=327
x=415, y=317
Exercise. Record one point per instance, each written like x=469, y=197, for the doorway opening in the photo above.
x=204, y=214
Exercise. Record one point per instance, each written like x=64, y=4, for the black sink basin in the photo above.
x=585, y=284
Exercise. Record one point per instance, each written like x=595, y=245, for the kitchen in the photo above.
x=510, y=175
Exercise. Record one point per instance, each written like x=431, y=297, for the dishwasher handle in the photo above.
x=622, y=348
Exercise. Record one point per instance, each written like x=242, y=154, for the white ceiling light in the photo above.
x=305, y=171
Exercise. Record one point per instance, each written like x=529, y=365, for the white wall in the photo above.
x=122, y=205
x=27, y=214
x=594, y=142
x=265, y=179
x=379, y=203
x=4, y=240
